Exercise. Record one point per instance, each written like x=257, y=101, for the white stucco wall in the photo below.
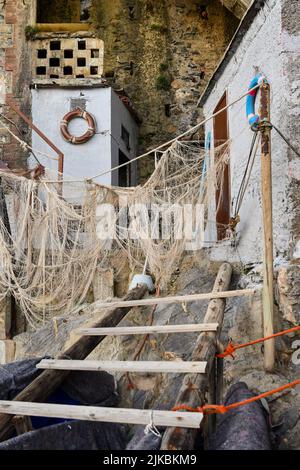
x=49, y=106
x=121, y=116
x=261, y=47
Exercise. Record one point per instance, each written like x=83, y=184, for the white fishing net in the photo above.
x=49, y=257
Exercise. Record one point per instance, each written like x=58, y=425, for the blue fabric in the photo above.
x=60, y=398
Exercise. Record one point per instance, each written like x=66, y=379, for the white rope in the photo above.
x=24, y=144
x=177, y=138
x=192, y=129
x=151, y=427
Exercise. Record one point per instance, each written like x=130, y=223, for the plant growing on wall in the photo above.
x=31, y=32
x=159, y=28
x=163, y=82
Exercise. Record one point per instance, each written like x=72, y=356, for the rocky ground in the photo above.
x=242, y=323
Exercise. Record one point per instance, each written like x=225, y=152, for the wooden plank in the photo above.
x=164, y=367
x=177, y=299
x=266, y=189
x=205, y=350
x=107, y=415
x=47, y=382
x=140, y=330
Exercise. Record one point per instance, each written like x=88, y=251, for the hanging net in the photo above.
x=58, y=234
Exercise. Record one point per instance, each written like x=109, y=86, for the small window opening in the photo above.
x=55, y=45
x=81, y=45
x=94, y=53
x=41, y=70
x=131, y=65
x=54, y=76
x=202, y=74
x=42, y=53
x=81, y=62
x=94, y=70
x=80, y=76
x=68, y=54
x=54, y=62
x=124, y=171
x=125, y=136
x=168, y=110
x=68, y=70
x=131, y=11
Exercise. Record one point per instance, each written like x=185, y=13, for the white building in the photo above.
x=116, y=134
x=267, y=41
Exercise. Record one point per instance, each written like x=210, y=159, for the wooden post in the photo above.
x=195, y=386
x=50, y=380
x=266, y=189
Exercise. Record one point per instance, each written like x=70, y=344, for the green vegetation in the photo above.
x=163, y=67
x=159, y=28
x=163, y=82
x=31, y=32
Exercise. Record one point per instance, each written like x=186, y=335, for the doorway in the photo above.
x=223, y=190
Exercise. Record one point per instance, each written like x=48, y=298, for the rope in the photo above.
x=247, y=174
x=231, y=348
x=285, y=139
x=221, y=409
x=165, y=144
x=24, y=144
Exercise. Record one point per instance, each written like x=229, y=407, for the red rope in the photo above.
x=231, y=348
x=221, y=409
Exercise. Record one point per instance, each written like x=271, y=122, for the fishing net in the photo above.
x=50, y=253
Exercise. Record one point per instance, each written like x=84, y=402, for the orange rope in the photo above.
x=220, y=409
x=231, y=348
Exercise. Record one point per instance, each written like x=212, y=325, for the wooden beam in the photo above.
x=194, y=387
x=163, y=367
x=22, y=424
x=141, y=330
x=50, y=380
x=62, y=27
x=106, y=415
x=177, y=299
x=266, y=189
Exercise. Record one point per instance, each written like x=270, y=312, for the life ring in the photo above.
x=82, y=139
x=253, y=118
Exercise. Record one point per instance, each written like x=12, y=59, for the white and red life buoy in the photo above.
x=82, y=139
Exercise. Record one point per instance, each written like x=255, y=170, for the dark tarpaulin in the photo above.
x=85, y=388
x=244, y=428
x=72, y=435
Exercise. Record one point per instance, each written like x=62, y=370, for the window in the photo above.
x=42, y=53
x=68, y=54
x=125, y=136
x=81, y=62
x=58, y=11
x=68, y=71
x=223, y=190
x=54, y=62
x=124, y=173
x=81, y=45
x=55, y=46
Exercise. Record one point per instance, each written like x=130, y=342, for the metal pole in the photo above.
x=13, y=106
x=266, y=188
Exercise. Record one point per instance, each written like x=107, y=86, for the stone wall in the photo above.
x=162, y=53
x=15, y=73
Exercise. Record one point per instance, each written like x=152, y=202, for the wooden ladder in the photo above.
x=199, y=366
